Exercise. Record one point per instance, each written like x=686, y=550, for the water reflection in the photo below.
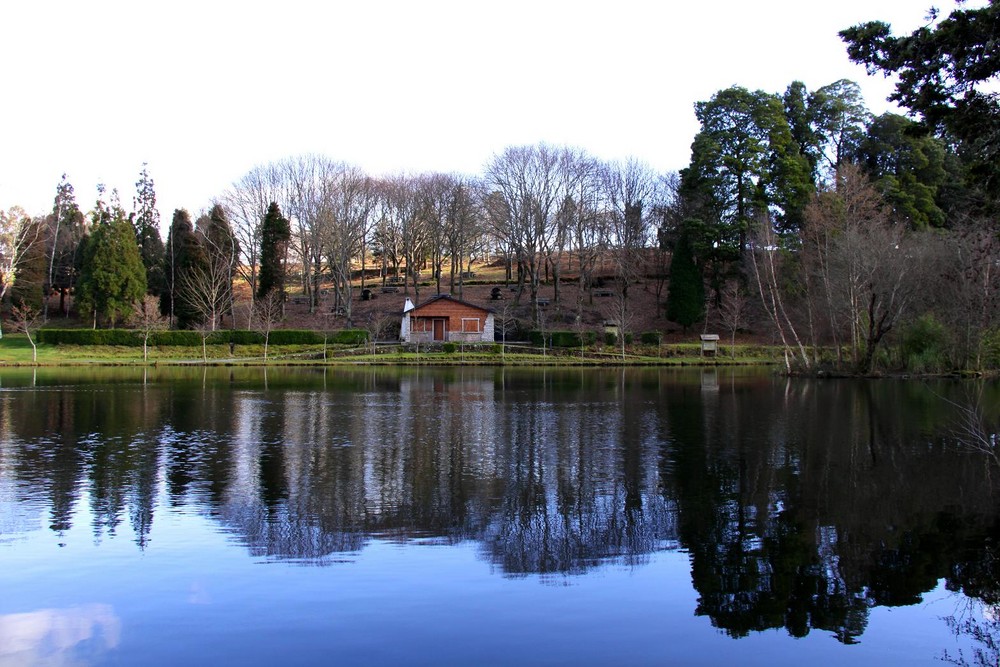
x=801, y=504
x=56, y=636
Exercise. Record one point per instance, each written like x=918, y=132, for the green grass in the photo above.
x=15, y=350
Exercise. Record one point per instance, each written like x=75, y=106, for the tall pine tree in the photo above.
x=65, y=231
x=146, y=221
x=686, y=291
x=182, y=254
x=112, y=278
x=275, y=233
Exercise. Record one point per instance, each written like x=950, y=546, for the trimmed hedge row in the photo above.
x=561, y=338
x=132, y=338
x=572, y=338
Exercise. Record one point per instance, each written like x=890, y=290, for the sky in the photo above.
x=202, y=91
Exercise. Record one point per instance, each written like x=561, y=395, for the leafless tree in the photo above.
x=375, y=326
x=403, y=204
x=869, y=265
x=27, y=320
x=246, y=203
x=733, y=309
x=617, y=312
x=504, y=322
x=146, y=319
x=969, y=294
x=464, y=233
x=766, y=261
x=311, y=179
x=266, y=314
x=207, y=288
x=350, y=203
x=18, y=235
x=530, y=183
x=632, y=191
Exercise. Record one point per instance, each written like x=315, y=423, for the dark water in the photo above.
x=479, y=516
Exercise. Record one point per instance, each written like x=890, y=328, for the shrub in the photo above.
x=178, y=338
x=348, y=337
x=123, y=337
x=561, y=338
x=295, y=337
x=449, y=348
x=497, y=348
x=650, y=337
x=925, y=345
x=991, y=348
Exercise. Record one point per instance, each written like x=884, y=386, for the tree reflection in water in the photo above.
x=802, y=504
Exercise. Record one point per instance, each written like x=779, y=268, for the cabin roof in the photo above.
x=447, y=297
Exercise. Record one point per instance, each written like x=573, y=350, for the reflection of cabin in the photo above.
x=443, y=318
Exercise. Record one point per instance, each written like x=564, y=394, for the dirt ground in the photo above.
x=595, y=307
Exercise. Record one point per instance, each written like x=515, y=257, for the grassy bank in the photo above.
x=15, y=350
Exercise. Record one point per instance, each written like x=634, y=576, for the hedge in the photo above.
x=133, y=338
x=562, y=338
x=650, y=337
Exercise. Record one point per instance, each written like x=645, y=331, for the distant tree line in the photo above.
x=801, y=216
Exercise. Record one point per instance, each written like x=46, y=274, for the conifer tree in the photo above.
x=112, y=277
x=275, y=233
x=146, y=221
x=686, y=291
x=182, y=254
x=65, y=231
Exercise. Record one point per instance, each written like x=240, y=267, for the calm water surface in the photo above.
x=489, y=517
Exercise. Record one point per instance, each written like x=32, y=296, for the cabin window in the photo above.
x=470, y=325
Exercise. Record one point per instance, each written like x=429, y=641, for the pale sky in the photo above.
x=204, y=90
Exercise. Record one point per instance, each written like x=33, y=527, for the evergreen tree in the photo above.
x=744, y=160
x=182, y=254
x=946, y=72
x=275, y=233
x=147, y=232
x=65, y=229
x=112, y=278
x=686, y=291
x=908, y=167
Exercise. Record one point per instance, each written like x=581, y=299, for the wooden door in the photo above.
x=438, y=329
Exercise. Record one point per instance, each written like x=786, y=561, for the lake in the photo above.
x=473, y=516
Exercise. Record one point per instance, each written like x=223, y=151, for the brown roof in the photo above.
x=448, y=297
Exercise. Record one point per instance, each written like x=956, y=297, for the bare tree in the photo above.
x=206, y=288
x=530, y=183
x=403, y=204
x=766, y=263
x=463, y=229
x=350, y=205
x=375, y=326
x=617, y=312
x=633, y=194
x=27, y=320
x=868, y=264
x=969, y=295
x=505, y=323
x=146, y=319
x=266, y=314
x=246, y=202
x=733, y=308
x=18, y=235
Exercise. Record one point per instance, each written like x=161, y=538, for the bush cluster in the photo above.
x=561, y=338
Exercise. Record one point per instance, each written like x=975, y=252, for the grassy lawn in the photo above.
x=16, y=350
